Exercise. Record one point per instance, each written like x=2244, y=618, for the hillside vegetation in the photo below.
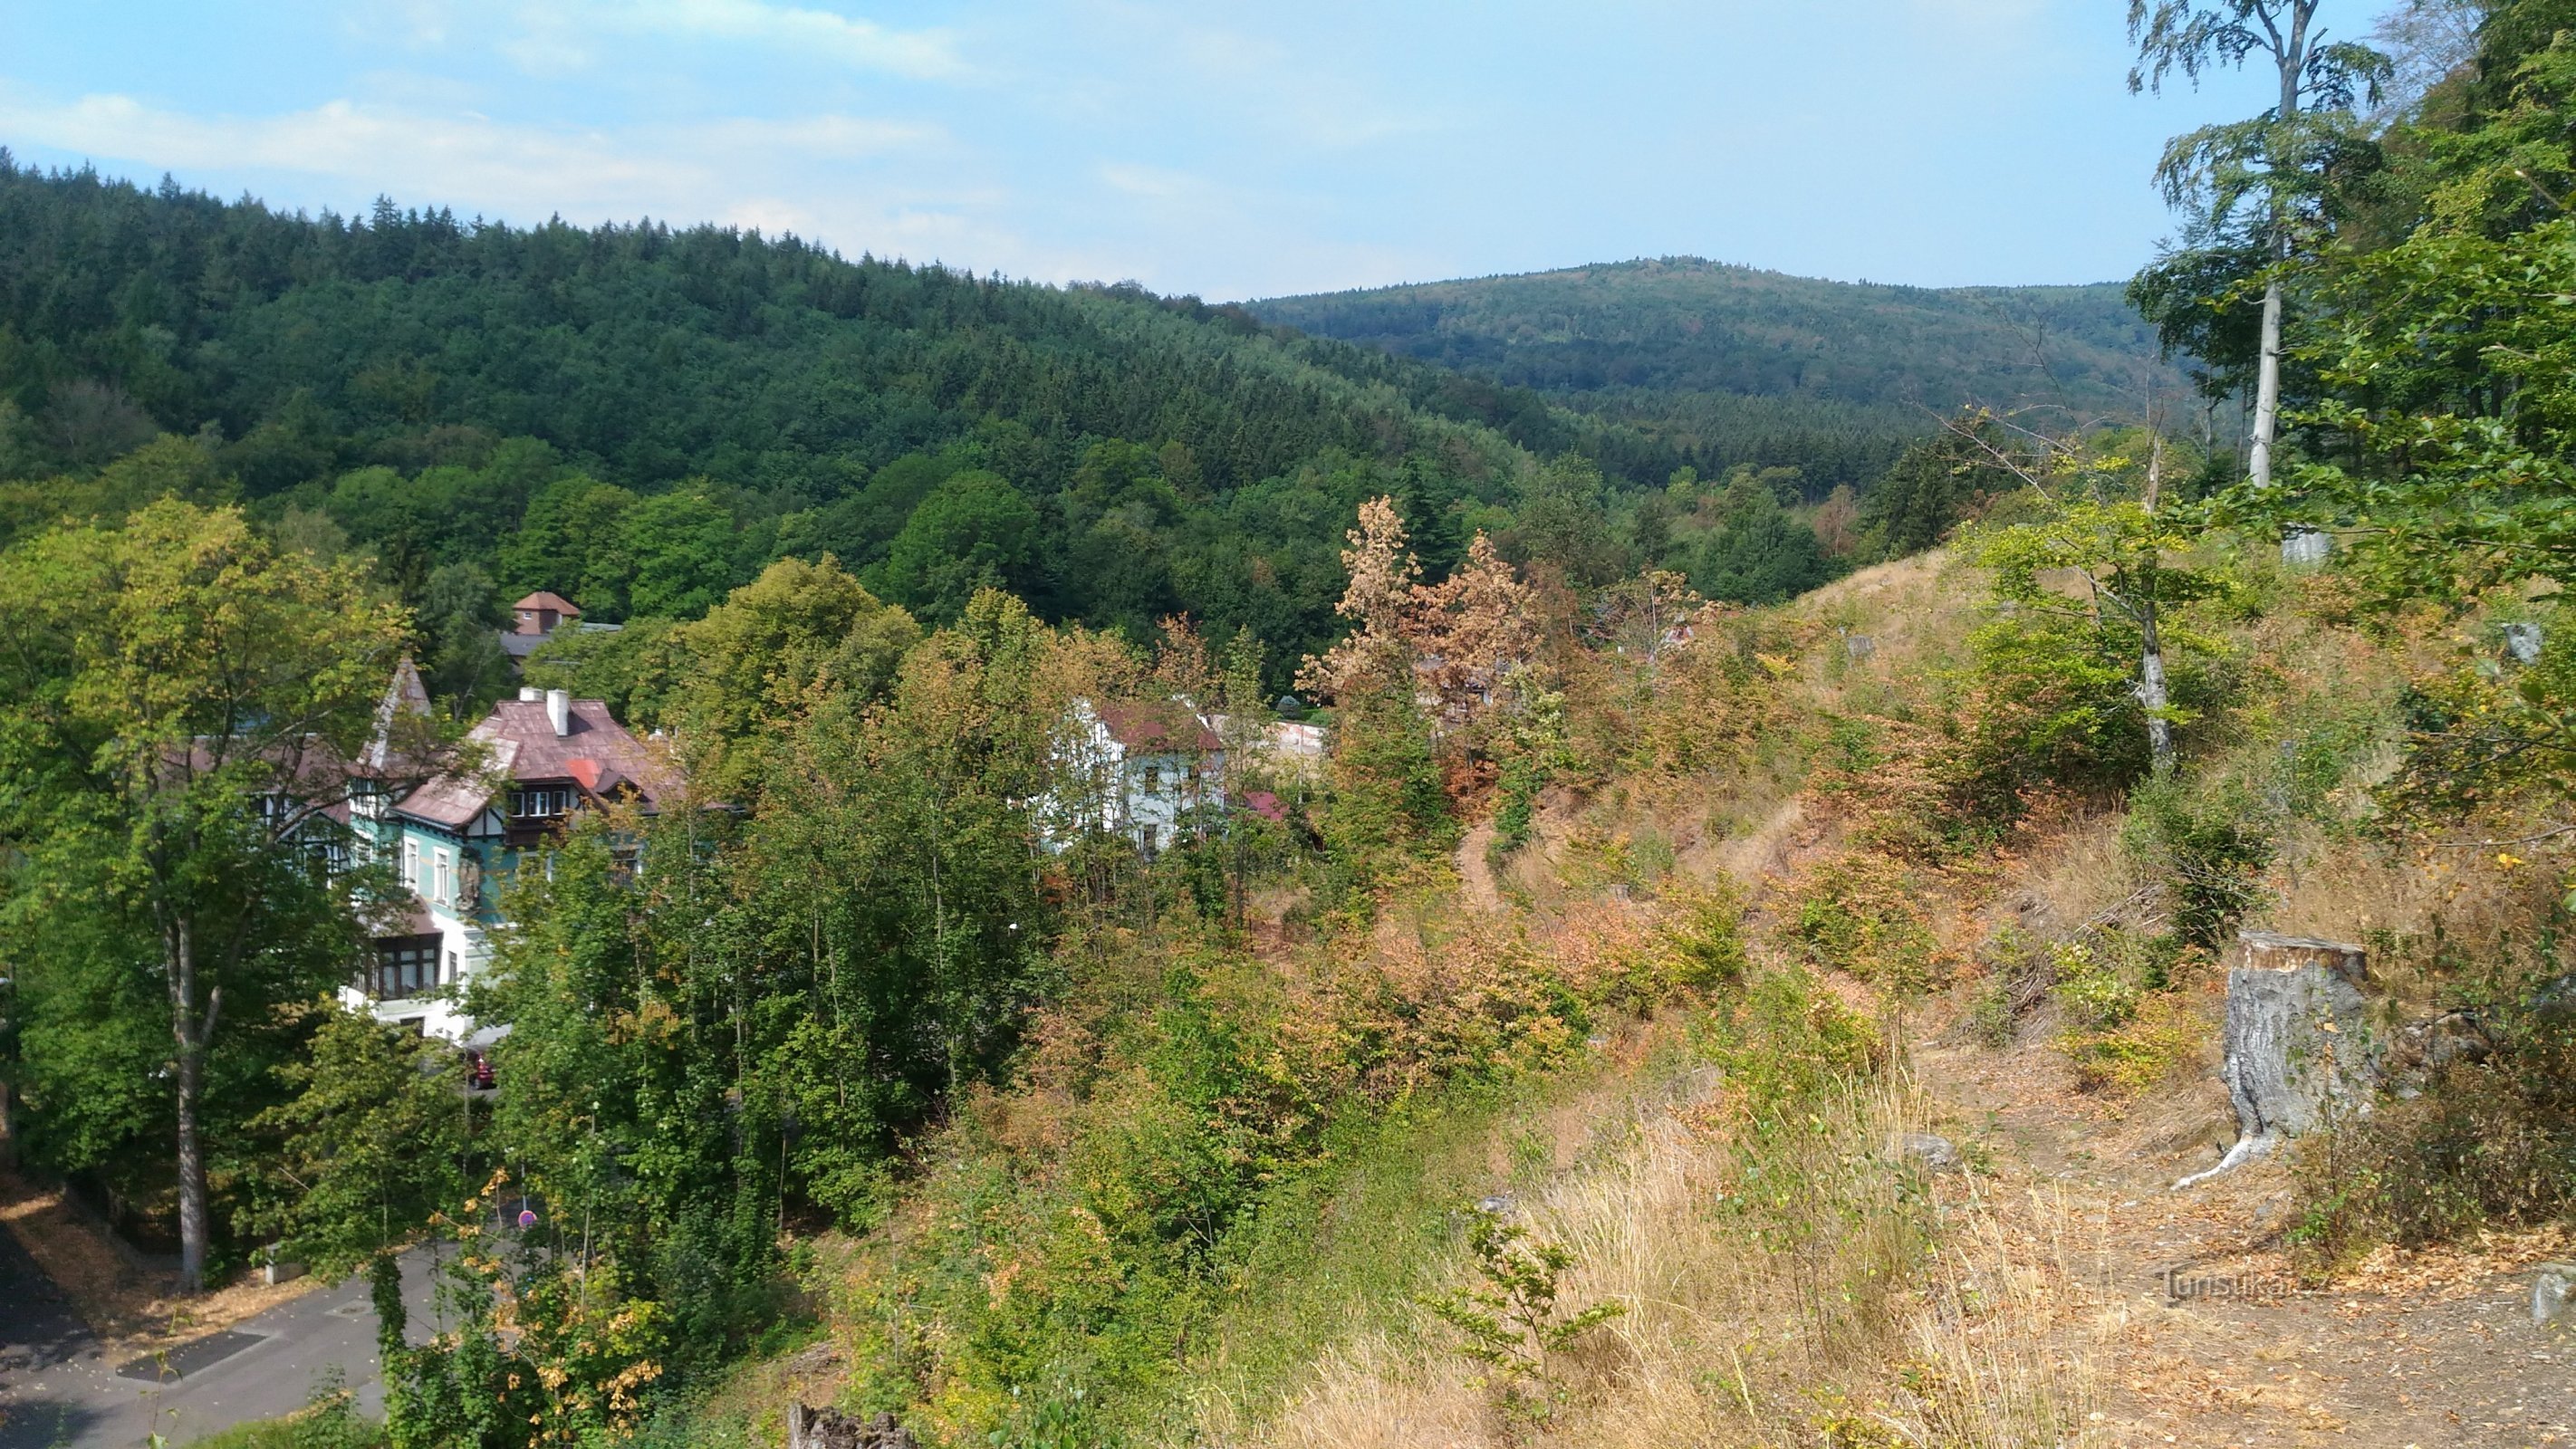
x=641, y=417
x=1733, y=364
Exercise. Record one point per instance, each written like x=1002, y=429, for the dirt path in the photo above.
x=2208, y=1340
x=1475, y=877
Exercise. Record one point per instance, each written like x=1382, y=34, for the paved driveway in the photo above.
x=59, y=1390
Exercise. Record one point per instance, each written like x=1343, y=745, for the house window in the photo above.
x=411, y=864
x=544, y=802
x=405, y=967
x=446, y=879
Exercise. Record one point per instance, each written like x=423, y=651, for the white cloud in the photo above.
x=475, y=163
x=920, y=54
x=1154, y=182
x=823, y=137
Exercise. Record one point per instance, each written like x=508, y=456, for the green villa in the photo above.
x=455, y=838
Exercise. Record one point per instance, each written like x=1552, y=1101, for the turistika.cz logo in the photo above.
x=2183, y=1286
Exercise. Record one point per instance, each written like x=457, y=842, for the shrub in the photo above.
x=1512, y=1321
x=2484, y=1145
x=2154, y=1043
x=2209, y=853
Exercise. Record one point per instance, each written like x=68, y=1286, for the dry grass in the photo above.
x=1814, y=1289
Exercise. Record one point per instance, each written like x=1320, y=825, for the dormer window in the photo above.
x=543, y=802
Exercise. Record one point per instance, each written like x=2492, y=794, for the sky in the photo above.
x=1227, y=149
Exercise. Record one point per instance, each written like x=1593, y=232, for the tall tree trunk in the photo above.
x=2292, y=53
x=189, y=1030
x=2267, y=387
x=2152, y=693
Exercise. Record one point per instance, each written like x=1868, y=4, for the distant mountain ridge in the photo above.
x=1713, y=358
x=1683, y=323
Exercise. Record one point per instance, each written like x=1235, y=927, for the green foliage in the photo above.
x=2487, y=1143
x=2208, y=852
x=1560, y=523
x=1787, y=1043
x=1511, y=1321
x=641, y=419
x=1757, y=554
x=173, y=697
x=1734, y=365
x=778, y=646
x=975, y=531
x=1937, y=484
x=637, y=670
x=369, y=1148
x=1387, y=802
x=2093, y=986
x=2087, y=595
x=329, y=1420
x=461, y=614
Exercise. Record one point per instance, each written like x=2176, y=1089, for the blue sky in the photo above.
x=1232, y=150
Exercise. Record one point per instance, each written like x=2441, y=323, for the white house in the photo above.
x=1150, y=771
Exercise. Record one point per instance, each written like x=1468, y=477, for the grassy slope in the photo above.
x=1797, y=1282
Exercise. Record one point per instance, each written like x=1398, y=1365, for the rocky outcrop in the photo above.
x=2553, y=1297
x=2299, y=1047
x=829, y=1429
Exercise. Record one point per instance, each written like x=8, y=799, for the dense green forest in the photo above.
x=641, y=418
x=1734, y=364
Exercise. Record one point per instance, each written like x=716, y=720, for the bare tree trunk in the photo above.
x=189, y=1032
x=2267, y=388
x=2152, y=692
x=2292, y=53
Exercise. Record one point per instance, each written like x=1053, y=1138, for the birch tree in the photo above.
x=2253, y=186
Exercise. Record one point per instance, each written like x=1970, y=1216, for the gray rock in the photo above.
x=2522, y=643
x=1495, y=1206
x=1933, y=1152
x=2553, y=1295
x=1859, y=646
x=2453, y=1037
x=831, y=1429
x=2306, y=548
x=2555, y=1004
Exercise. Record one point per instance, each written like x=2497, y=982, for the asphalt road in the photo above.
x=59, y=1390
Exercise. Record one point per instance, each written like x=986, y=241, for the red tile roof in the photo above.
x=596, y=753
x=1157, y=728
x=545, y=599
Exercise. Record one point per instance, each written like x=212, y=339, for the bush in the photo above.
x=329, y=1420
x=2208, y=852
x=2154, y=1042
x=2490, y=1144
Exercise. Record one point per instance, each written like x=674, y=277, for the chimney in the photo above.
x=529, y=694
x=559, y=711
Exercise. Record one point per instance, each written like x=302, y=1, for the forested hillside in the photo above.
x=642, y=416
x=1735, y=364
x=1648, y=998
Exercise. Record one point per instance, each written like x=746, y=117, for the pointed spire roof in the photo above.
x=403, y=696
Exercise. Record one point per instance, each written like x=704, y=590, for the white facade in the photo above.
x=1139, y=771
